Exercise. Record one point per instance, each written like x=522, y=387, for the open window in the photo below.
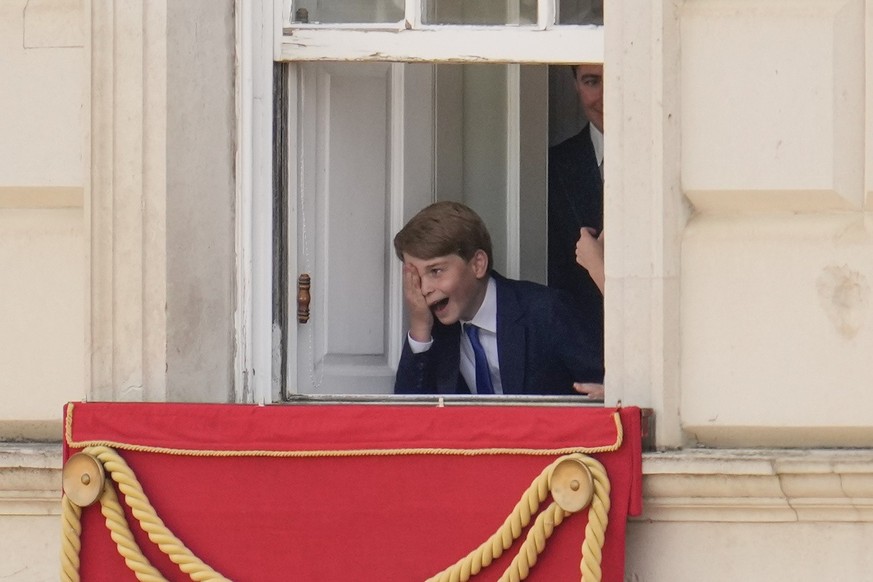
x=386, y=110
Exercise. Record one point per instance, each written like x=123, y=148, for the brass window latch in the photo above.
x=303, y=298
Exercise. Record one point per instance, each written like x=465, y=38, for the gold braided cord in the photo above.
x=534, y=544
x=116, y=521
x=120, y=532
x=598, y=519
x=502, y=539
x=68, y=435
x=545, y=523
x=71, y=543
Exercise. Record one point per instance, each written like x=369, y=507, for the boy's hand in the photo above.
x=593, y=391
x=420, y=316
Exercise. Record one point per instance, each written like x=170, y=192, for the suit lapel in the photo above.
x=511, y=337
x=585, y=177
x=593, y=205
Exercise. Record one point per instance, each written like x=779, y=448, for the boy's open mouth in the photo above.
x=440, y=305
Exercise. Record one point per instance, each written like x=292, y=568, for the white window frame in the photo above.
x=266, y=35
x=409, y=40
x=643, y=258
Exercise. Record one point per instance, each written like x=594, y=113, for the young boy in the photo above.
x=517, y=338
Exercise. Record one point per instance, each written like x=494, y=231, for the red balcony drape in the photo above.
x=349, y=492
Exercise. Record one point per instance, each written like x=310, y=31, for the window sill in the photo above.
x=758, y=485
x=30, y=478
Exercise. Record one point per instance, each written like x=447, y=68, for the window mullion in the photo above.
x=546, y=14
x=413, y=13
x=450, y=44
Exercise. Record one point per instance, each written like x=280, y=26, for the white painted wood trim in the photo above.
x=513, y=171
x=281, y=18
x=243, y=160
x=566, y=44
x=546, y=14
x=263, y=345
x=294, y=238
x=396, y=211
x=412, y=9
x=254, y=94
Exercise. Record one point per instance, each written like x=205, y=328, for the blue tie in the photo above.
x=483, y=374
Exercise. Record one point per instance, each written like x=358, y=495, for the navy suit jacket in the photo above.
x=544, y=344
x=575, y=200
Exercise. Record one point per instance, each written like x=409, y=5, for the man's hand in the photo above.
x=593, y=391
x=420, y=316
x=589, y=254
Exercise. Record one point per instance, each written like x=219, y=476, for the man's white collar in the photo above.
x=597, y=142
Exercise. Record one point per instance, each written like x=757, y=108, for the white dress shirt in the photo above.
x=597, y=142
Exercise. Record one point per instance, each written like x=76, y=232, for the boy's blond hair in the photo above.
x=444, y=228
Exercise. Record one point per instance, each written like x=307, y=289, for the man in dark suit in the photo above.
x=473, y=331
x=576, y=203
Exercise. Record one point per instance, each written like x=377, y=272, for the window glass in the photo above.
x=580, y=12
x=347, y=11
x=471, y=128
x=482, y=12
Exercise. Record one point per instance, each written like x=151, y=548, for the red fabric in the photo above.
x=345, y=518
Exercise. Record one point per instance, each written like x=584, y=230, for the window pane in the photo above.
x=471, y=132
x=346, y=11
x=497, y=12
x=580, y=12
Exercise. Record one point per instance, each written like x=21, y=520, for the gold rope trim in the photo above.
x=116, y=521
x=598, y=518
x=71, y=531
x=543, y=527
x=68, y=434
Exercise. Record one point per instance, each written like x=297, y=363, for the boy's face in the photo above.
x=452, y=287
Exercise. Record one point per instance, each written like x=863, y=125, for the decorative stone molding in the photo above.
x=758, y=486
x=795, y=167
x=126, y=199
x=644, y=210
x=159, y=200
x=729, y=485
x=53, y=24
x=30, y=479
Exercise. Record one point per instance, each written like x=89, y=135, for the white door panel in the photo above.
x=362, y=171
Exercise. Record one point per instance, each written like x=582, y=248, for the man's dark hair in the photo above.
x=444, y=228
